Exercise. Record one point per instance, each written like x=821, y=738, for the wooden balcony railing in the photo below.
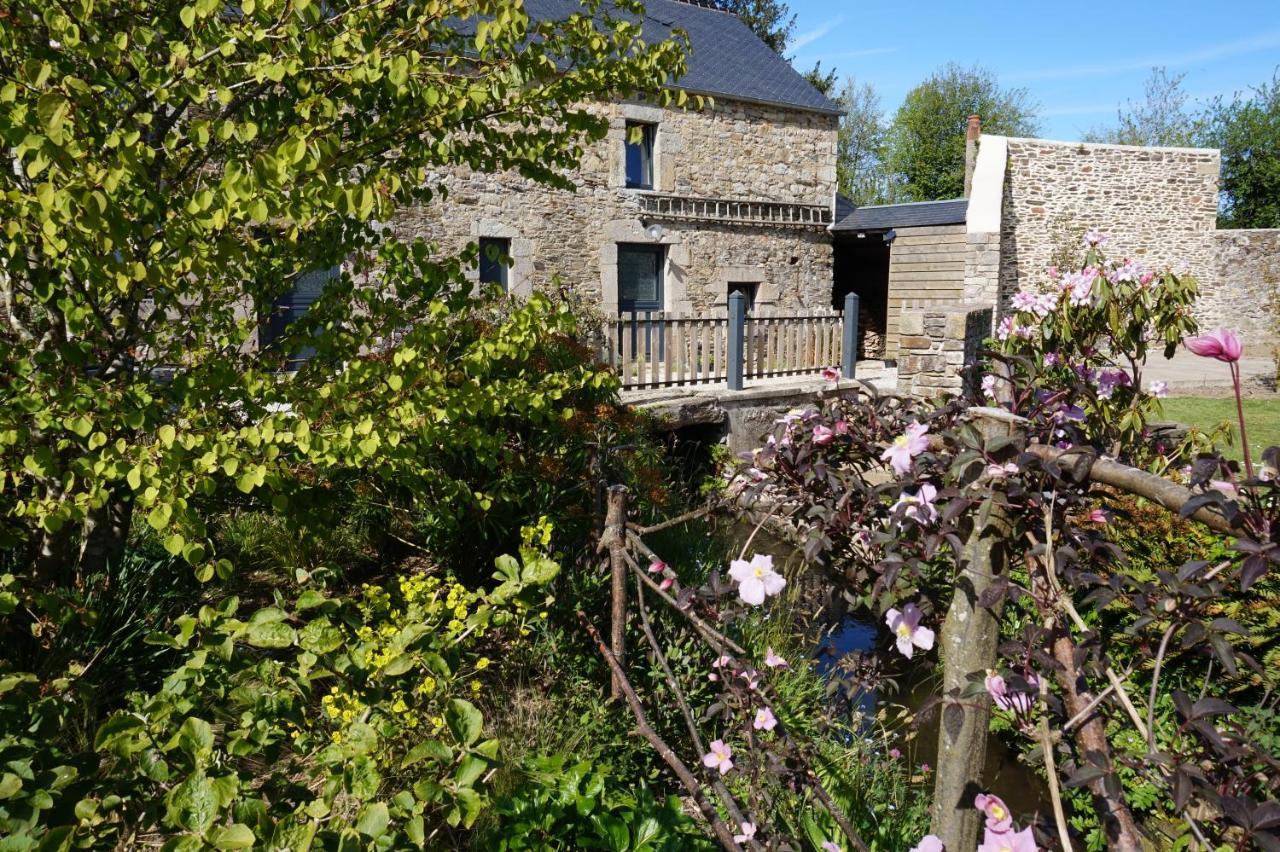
x=682, y=208
x=660, y=349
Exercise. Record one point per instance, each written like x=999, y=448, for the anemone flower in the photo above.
x=720, y=757
x=748, y=832
x=906, y=627
x=1008, y=841
x=765, y=720
x=1222, y=344
x=929, y=843
x=756, y=579
x=773, y=661
x=999, y=820
x=906, y=447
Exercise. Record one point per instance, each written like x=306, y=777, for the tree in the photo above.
x=823, y=81
x=926, y=138
x=173, y=169
x=1161, y=118
x=860, y=146
x=771, y=20
x=1247, y=130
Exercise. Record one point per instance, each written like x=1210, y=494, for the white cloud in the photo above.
x=805, y=39
x=1265, y=41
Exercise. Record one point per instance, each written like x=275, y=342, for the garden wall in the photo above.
x=728, y=150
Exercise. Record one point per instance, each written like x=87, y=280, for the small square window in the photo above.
x=746, y=288
x=639, y=144
x=495, y=259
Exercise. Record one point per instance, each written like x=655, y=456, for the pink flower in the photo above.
x=919, y=505
x=1109, y=380
x=929, y=843
x=829, y=846
x=1000, y=471
x=752, y=679
x=720, y=757
x=720, y=662
x=756, y=579
x=1158, y=389
x=773, y=661
x=1024, y=301
x=924, y=767
x=998, y=817
x=748, y=831
x=842, y=427
x=765, y=720
x=894, y=753
x=657, y=566
x=1099, y=516
x=1222, y=344
x=822, y=435
x=989, y=387
x=1004, y=329
x=1008, y=841
x=906, y=447
x=1094, y=238
x=667, y=582
x=831, y=374
x=1228, y=489
x=1051, y=359
x=1012, y=700
x=906, y=627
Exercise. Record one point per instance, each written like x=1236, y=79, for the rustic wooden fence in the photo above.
x=655, y=349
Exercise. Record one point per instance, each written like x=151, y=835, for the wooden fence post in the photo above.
x=849, y=352
x=615, y=538
x=969, y=638
x=737, y=330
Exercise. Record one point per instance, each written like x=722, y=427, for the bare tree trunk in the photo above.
x=106, y=532
x=615, y=540
x=54, y=553
x=969, y=638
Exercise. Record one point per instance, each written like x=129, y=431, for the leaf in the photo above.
x=374, y=820
x=1085, y=775
x=267, y=630
x=234, y=836
x=464, y=720
x=471, y=768
x=193, y=804
x=1211, y=707
x=433, y=749
x=187, y=16
x=195, y=737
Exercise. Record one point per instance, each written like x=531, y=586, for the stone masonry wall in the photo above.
x=729, y=150
x=1245, y=285
x=937, y=343
x=1156, y=204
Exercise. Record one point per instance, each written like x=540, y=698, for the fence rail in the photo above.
x=655, y=349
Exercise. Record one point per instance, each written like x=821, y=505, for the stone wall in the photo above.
x=937, y=344
x=1244, y=286
x=729, y=150
x=1156, y=204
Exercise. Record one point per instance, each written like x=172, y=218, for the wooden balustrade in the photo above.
x=665, y=349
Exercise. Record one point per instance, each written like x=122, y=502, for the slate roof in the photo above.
x=916, y=214
x=725, y=58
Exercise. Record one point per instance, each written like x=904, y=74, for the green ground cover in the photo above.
x=1262, y=420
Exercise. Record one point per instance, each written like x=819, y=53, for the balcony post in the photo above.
x=737, y=334
x=849, y=352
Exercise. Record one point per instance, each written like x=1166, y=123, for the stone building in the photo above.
x=1030, y=202
x=675, y=207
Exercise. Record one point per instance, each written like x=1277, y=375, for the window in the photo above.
x=639, y=144
x=495, y=257
x=289, y=307
x=639, y=278
x=746, y=288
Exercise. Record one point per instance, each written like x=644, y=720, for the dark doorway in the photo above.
x=861, y=265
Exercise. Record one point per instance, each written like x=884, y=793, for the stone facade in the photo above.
x=728, y=150
x=1244, y=285
x=1156, y=204
x=937, y=344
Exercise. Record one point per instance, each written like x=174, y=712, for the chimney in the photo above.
x=971, y=152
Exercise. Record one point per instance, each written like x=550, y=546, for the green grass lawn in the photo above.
x=1261, y=419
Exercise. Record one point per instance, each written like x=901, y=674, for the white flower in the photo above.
x=756, y=579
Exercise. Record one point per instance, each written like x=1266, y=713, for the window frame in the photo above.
x=647, y=148
x=751, y=289
x=659, y=254
x=502, y=261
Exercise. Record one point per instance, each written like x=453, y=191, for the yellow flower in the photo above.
x=482, y=664
x=475, y=686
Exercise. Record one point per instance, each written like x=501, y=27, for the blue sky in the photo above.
x=1079, y=61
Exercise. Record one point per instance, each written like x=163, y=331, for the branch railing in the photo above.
x=655, y=349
